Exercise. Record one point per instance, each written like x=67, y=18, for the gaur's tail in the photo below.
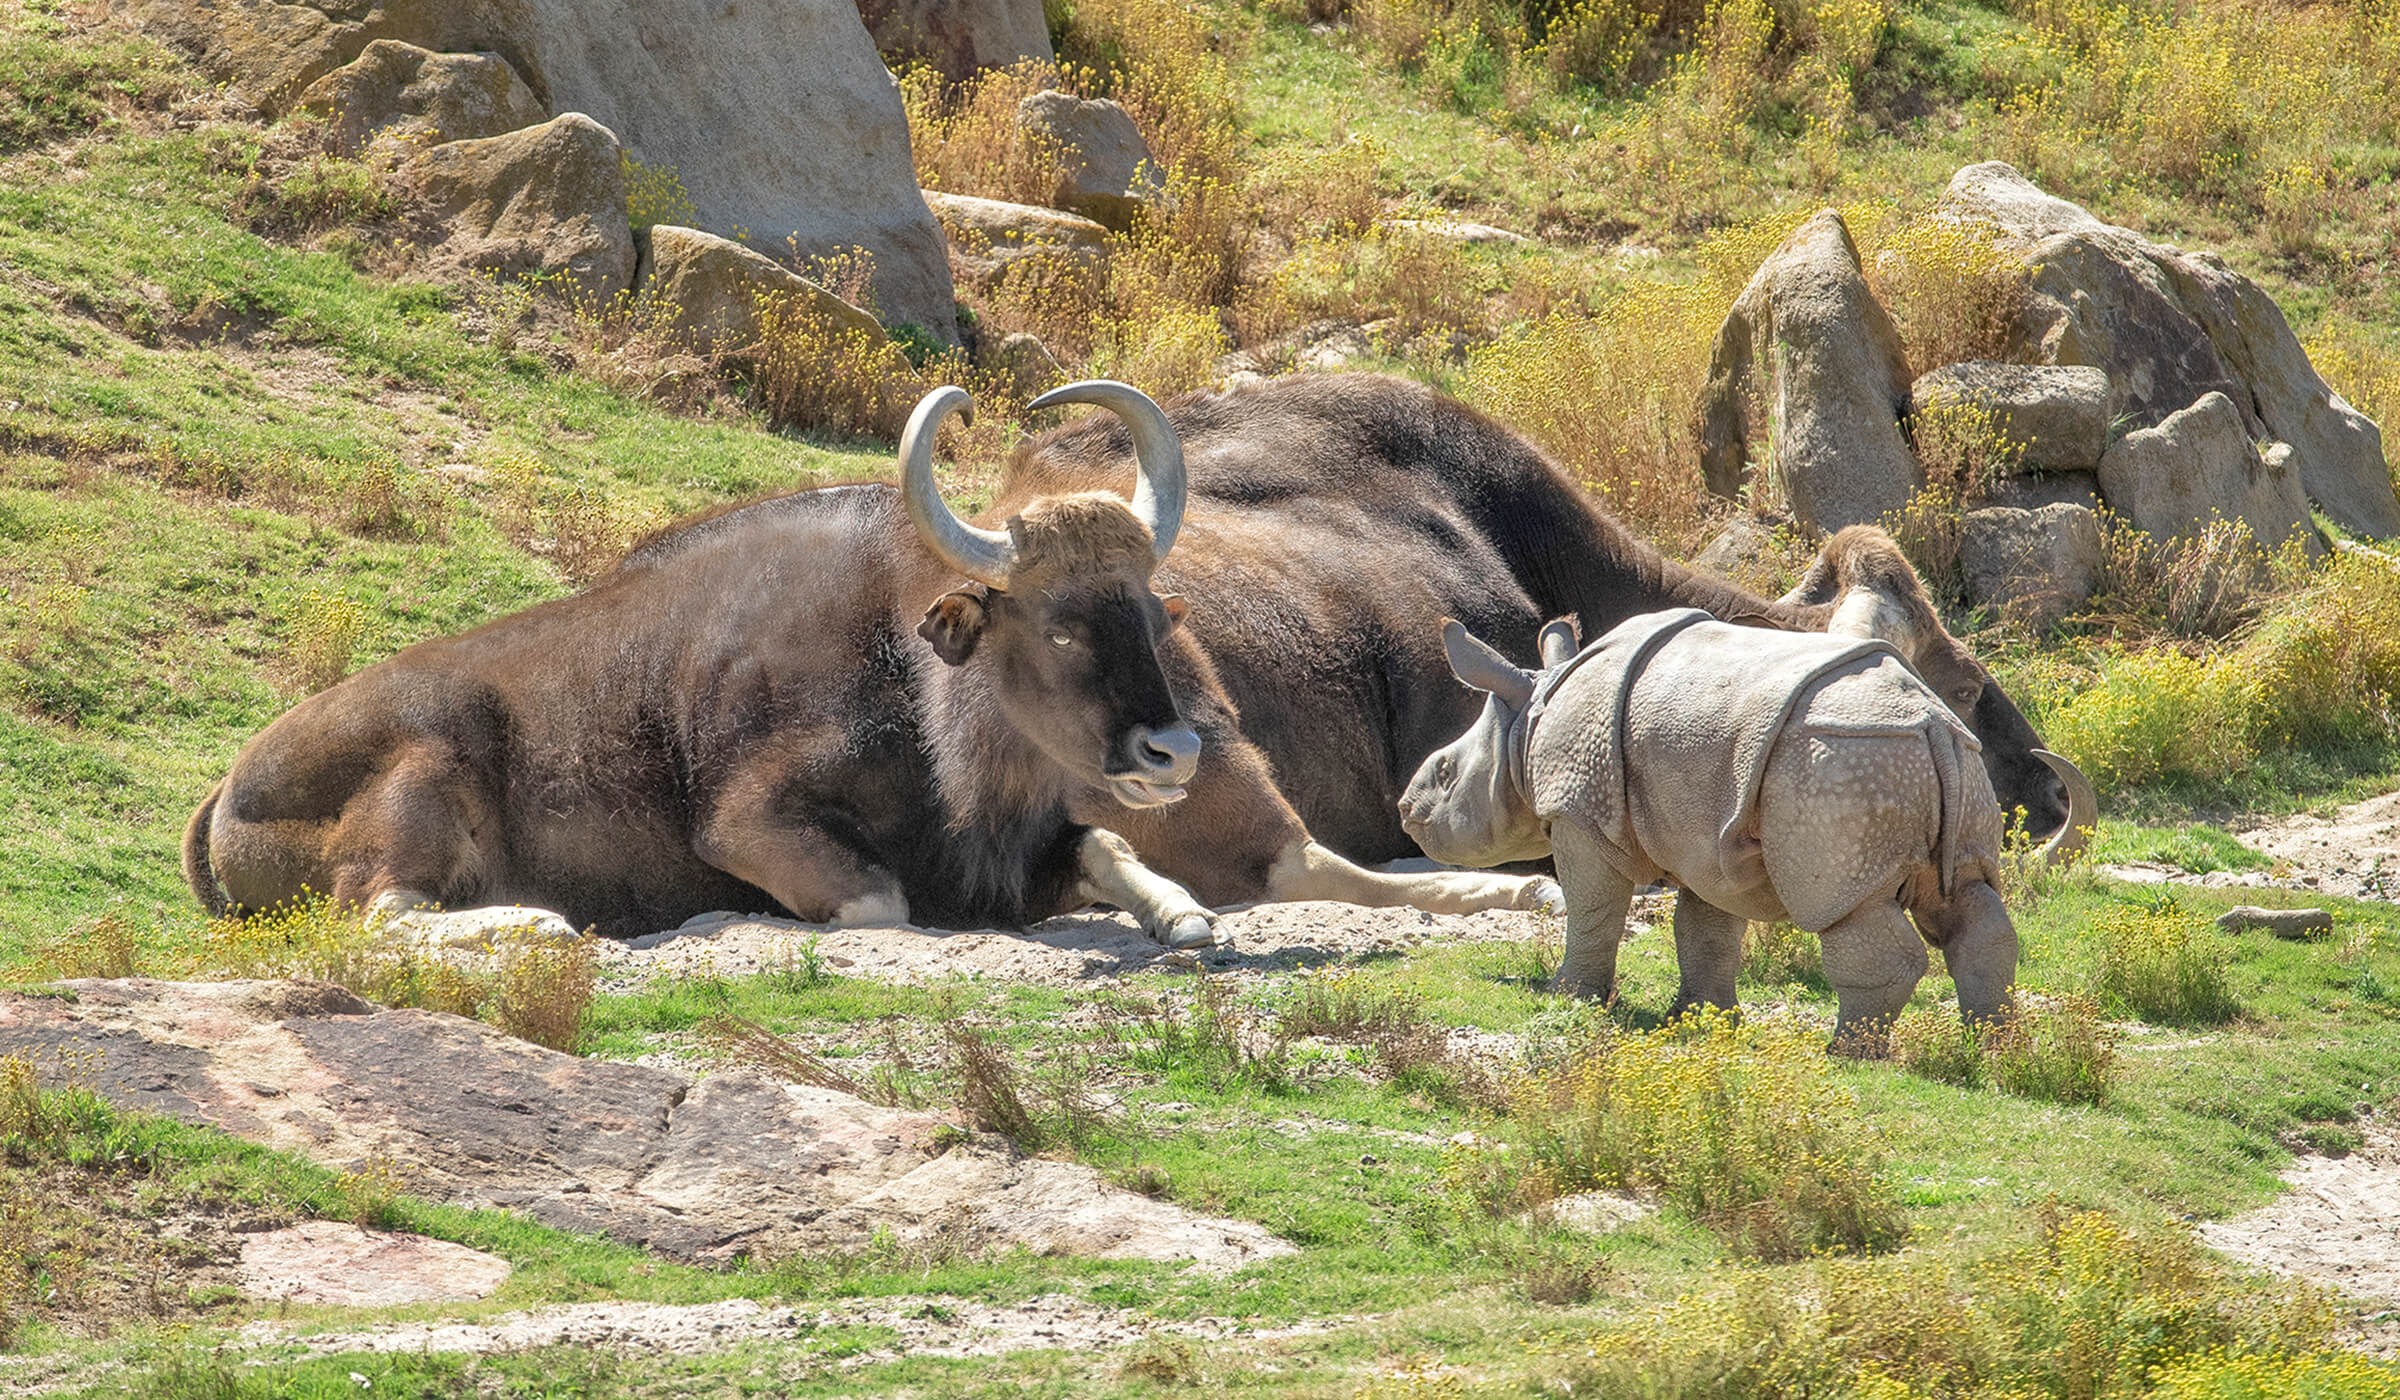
x=196, y=870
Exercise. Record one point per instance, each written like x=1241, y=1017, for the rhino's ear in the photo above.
x=1559, y=641
x=1482, y=668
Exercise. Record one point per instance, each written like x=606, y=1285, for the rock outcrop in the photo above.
x=707, y=1171
x=780, y=120
x=2056, y=415
x=2198, y=465
x=1107, y=173
x=712, y=288
x=2170, y=327
x=405, y=97
x=958, y=38
x=2039, y=564
x=547, y=199
x=1808, y=348
x=991, y=239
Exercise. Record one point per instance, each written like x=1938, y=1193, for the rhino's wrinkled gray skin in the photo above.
x=1770, y=775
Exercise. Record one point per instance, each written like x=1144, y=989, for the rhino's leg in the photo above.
x=1874, y=958
x=1596, y=900
x=1979, y=946
x=1708, y=952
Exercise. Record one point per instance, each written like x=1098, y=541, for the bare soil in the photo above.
x=2338, y=1226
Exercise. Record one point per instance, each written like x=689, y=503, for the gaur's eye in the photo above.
x=1061, y=639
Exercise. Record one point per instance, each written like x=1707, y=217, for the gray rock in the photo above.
x=958, y=37
x=1808, y=348
x=339, y=1264
x=778, y=119
x=2036, y=565
x=2035, y=490
x=547, y=199
x=2171, y=480
x=399, y=97
x=1109, y=174
x=2170, y=327
x=992, y=240
x=713, y=288
x=1746, y=552
x=2057, y=414
x=1460, y=232
x=2283, y=923
x=705, y=1171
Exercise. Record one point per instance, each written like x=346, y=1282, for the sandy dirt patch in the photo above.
x=2339, y=1226
x=1077, y=949
x=925, y=1327
x=2354, y=853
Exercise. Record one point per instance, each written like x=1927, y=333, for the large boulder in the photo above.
x=992, y=238
x=547, y=199
x=1106, y=170
x=710, y=289
x=1807, y=347
x=2170, y=327
x=779, y=120
x=269, y=52
x=958, y=37
x=402, y=95
x=2036, y=565
x=2200, y=465
x=2056, y=414
x=701, y=1170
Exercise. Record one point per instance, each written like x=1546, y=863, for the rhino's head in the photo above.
x=1467, y=803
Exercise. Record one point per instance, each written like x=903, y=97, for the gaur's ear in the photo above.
x=1482, y=668
x=1559, y=641
x=954, y=624
x=1175, y=607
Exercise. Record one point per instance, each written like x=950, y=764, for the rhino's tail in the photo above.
x=1950, y=777
x=196, y=870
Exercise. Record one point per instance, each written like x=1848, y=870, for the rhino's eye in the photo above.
x=1445, y=769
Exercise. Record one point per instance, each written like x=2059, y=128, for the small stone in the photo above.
x=2283, y=923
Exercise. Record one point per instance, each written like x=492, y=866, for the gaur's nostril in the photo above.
x=1167, y=755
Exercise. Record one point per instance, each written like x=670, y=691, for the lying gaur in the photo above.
x=1770, y=775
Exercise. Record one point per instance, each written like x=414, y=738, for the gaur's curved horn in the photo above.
x=982, y=555
x=1157, y=452
x=2083, y=811
x=1479, y=667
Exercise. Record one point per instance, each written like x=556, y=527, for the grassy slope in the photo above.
x=199, y=489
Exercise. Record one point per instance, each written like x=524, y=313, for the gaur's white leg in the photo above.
x=1979, y=946
x=1113, y=874
x=816, y=877
x=1874, y=958
x=1307, y=870
x=1708, y=952
x=1596, y=900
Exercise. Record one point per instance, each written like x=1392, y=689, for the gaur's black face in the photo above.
x=2021, y=781
x=1075, y=668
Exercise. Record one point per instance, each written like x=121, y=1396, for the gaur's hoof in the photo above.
x=1196, y=931
x=1543, y=896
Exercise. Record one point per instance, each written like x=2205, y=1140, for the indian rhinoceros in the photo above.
x=1769, y=775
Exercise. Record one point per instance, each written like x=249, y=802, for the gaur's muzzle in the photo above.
x=1154, y=765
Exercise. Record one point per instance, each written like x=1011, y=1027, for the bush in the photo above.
x=1738, y=1124
x=2154, y=715
x=2088, y=1309
x=1932, y=1043
x=324, y=634
x=2224, y=1375
x=2165, y=965
x=2056, y=1047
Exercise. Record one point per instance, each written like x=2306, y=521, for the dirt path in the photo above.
x=925, y=1327
x=2354, y=853
x=1074, y=950
x=2339, y=1226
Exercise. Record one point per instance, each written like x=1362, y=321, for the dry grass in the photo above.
x=2166, y=965
x=2056, y=1047
x=1738, y=1124
x=322, y=639
x=581, y=530
x=540, y=992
